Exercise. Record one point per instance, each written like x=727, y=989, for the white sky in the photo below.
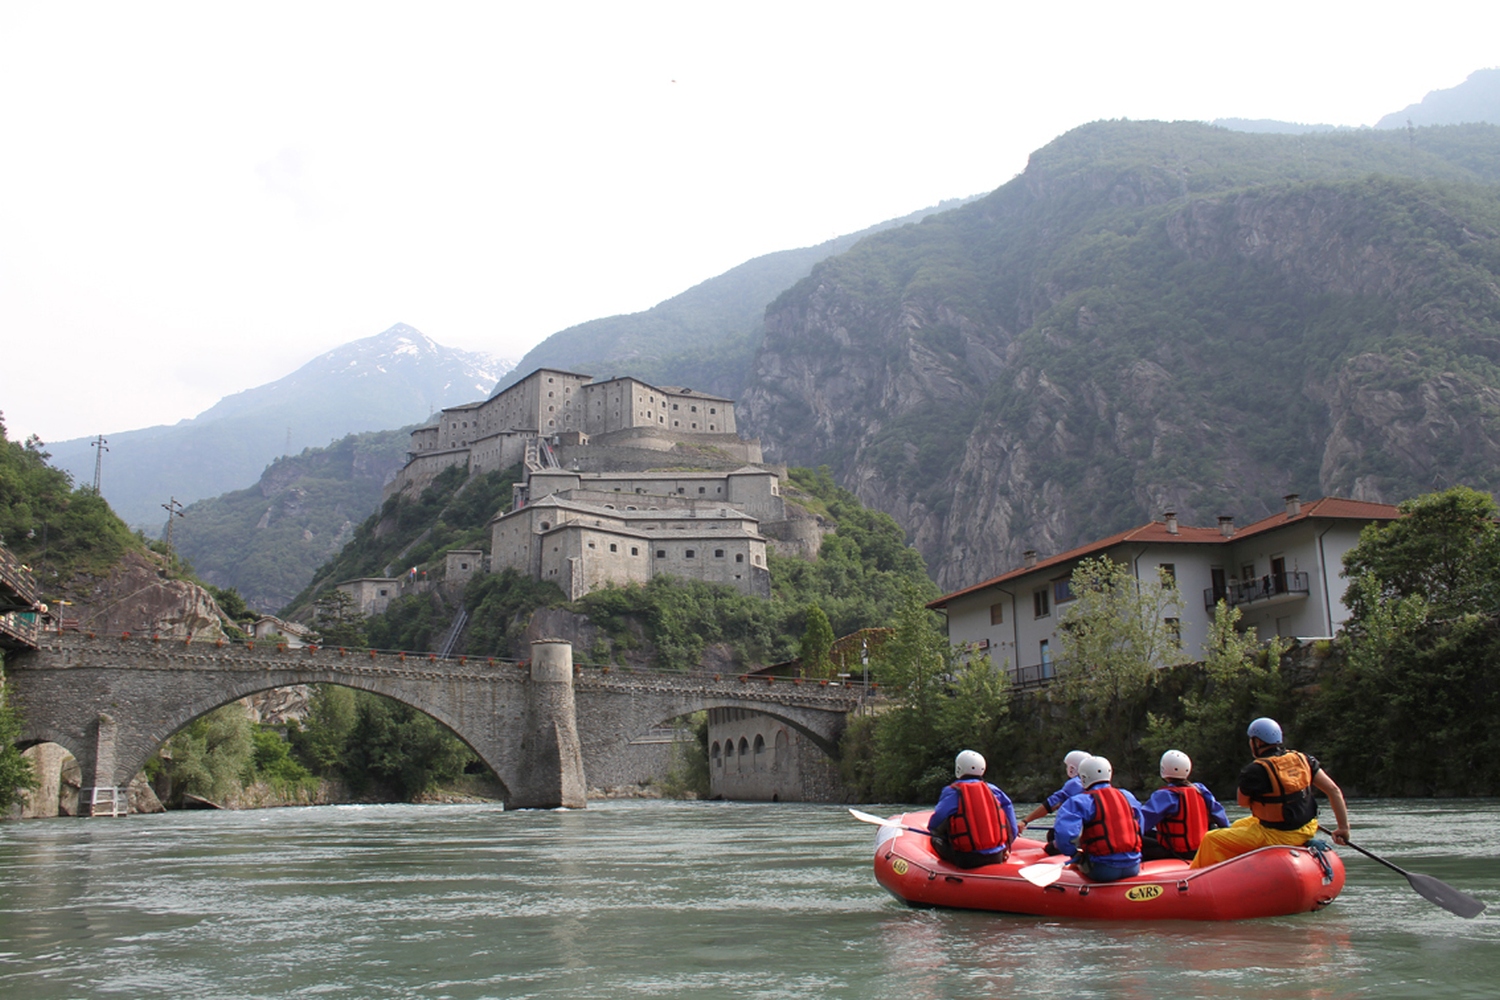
x=199, y=198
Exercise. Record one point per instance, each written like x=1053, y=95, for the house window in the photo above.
x=1168, y=571
x=997, y=614
x=1046, y=651
x=1174, y=630
x=1247, y=572
x=1062, y=591
x=1041, y=603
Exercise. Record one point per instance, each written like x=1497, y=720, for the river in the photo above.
x=668, y=899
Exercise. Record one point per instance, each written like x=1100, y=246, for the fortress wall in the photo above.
x=419, y=473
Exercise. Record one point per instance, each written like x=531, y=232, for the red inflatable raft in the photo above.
x=1270, y=882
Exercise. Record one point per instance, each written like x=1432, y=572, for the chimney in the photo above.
x=1293, y=504
x=1171, y=518
x=1029, y=558
x=1226, y=525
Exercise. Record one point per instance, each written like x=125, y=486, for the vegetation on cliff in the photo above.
x=59, y=530
x=267, y=541
x=1154, y=315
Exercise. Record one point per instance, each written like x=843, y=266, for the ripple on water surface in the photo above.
x=664, y=899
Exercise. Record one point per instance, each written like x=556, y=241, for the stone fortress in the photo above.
x=623, y=481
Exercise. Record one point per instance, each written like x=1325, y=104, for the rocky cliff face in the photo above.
x=1095, y=344
x=137, y=596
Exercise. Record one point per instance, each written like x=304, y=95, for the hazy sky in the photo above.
x=198, y=198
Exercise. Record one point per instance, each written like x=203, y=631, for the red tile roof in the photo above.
x=1156, y=532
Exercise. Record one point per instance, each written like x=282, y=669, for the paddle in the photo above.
x=1041, y=874
x=865, y=817
x=1432, y=889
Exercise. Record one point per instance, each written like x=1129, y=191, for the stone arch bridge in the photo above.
x=540, y=726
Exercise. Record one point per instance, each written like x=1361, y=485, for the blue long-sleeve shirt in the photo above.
x=1070, y=788
x=1073, y=814
x=948, y=805
x=1163, y=804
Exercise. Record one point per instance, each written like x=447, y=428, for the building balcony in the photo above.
x=1035, y=676
x=1273, y=588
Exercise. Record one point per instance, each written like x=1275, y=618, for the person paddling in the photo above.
x=1175, y=818
x=974, y=823
x=1101, y=826
x=1277, y=786
x=1070, y=788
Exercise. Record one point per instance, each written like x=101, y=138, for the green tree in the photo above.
x=400, y=750
x=319, y=742
x=817, y=640
x=1115, y=636
x=1239, y=680
x=16, y=773
x=212, y=757
x=338, y=621
x=1410, y=711
x=911, y=759
x=688, y=776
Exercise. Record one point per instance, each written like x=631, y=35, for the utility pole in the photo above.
x=99, y=443
x=174, y=509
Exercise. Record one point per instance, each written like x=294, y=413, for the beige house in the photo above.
x=1284, y=573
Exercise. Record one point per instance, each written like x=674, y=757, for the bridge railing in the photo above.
x=418, y=657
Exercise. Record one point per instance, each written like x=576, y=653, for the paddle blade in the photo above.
x=1041, y=875
x=1445, y=895
x=865, y=817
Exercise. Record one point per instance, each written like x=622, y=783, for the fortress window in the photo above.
x=718, y=554
x=693, y=408
x=757, y=560
x=739, y=557
x=634, y=551
x=695, y=427
x=689, y=554
x=674, y=406
x=702, y=490
x=711, y=410
x=661, y=553
x=545, y=525
x=710, y=426
x=677, y=423
x=661, y=420
x=591, y=544
x=613, y=547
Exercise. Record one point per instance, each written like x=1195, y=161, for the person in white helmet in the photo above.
x=1277, y=786
x=1101, y=826
x=1070, y=788
x=974, y=823
x=1175, y=818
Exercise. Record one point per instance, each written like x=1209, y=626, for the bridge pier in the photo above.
x=95, y=799
x=551, y=759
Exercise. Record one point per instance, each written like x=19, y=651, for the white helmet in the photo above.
x=1094, y=771
x=1176, y=764
x=968, y=764
x=1073, y=759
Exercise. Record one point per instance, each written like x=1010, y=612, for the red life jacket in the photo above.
x=978, y=825
x=1183, y=831
x=1113, y=829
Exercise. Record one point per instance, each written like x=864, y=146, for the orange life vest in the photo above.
x=1183, y=831
x=978, y=824
x=1289, y=805
x=1113, y=829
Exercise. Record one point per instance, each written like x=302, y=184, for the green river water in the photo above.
x=668, y=899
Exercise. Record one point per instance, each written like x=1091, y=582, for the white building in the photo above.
x=1284, y=573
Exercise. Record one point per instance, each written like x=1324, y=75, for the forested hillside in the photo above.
x=1154, y=316
x=268, y=540
x=705, y=337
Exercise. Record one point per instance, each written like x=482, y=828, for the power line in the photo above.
x=173, y=509
x=99, y=443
